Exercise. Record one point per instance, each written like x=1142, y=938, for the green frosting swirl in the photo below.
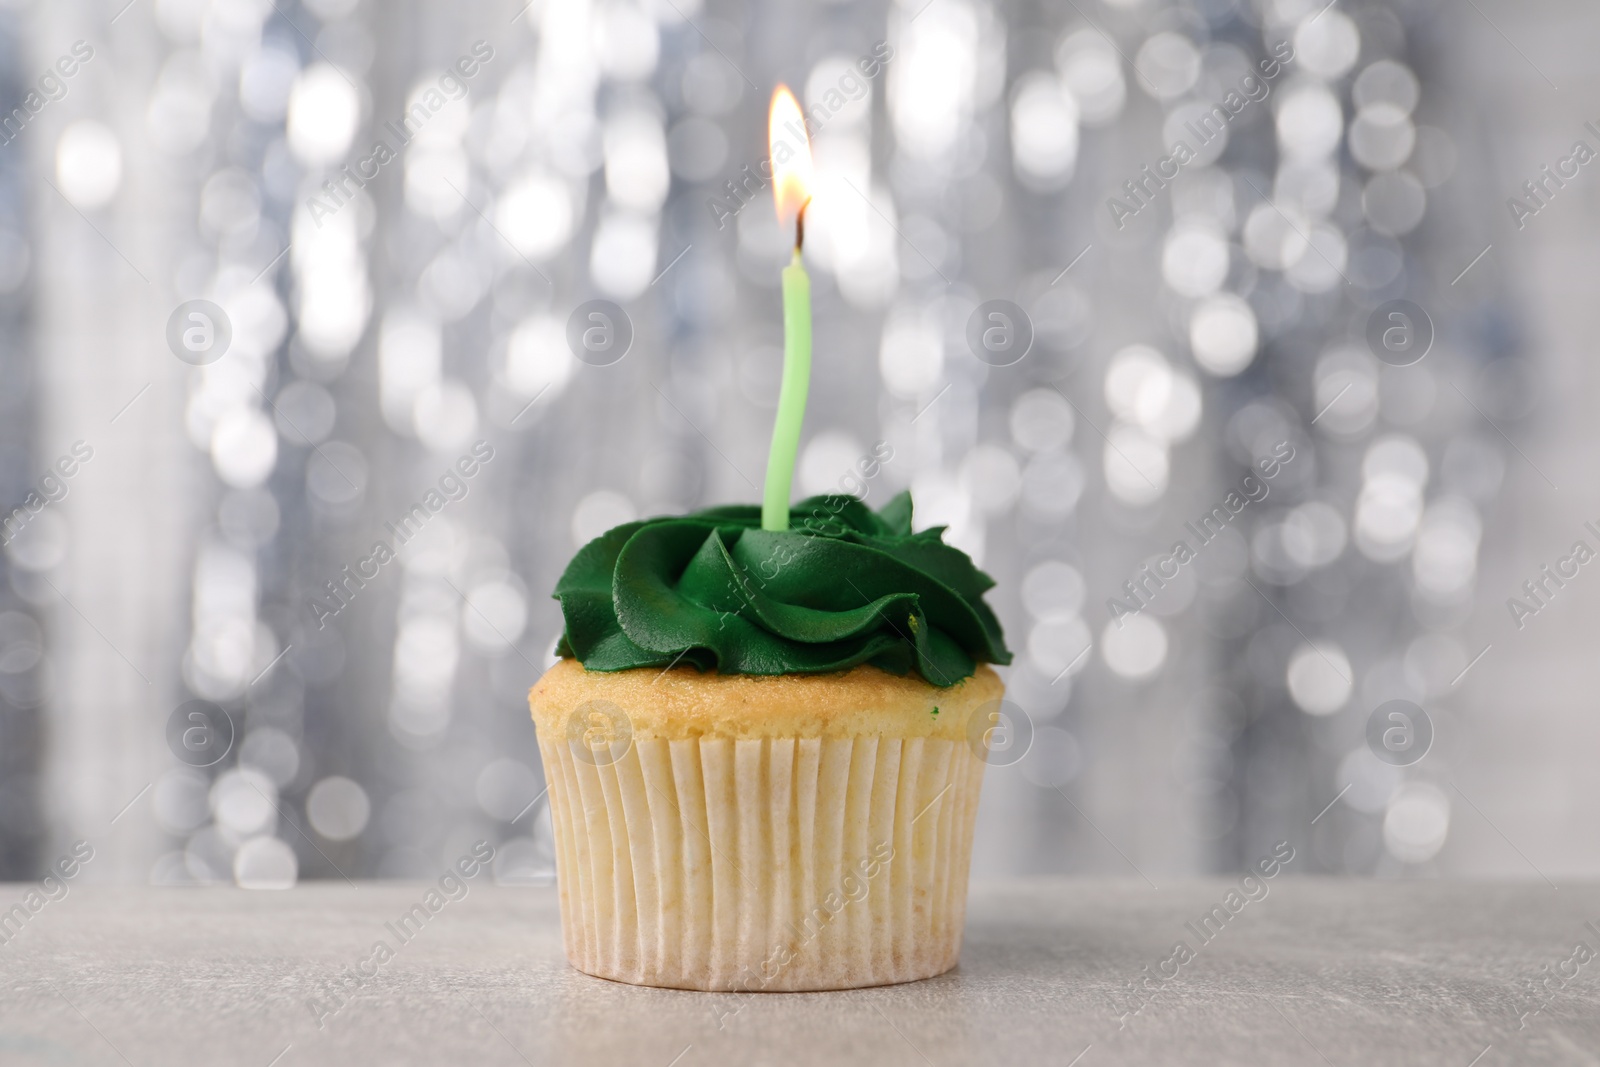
x=845, y=586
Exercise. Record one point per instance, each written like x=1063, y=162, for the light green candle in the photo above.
x=790, y=143
x=791, y=396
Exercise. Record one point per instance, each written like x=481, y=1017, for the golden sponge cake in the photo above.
x=684, y=703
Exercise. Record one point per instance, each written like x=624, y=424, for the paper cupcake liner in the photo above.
x=763, y=865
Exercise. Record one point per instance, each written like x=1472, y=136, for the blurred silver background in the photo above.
x=378, y=333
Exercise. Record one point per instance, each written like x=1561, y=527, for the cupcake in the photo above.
x=764, y=748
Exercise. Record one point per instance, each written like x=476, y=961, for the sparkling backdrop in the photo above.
x=400, y=211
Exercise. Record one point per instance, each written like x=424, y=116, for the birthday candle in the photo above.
x=791, y=191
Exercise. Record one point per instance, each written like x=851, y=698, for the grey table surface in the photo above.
x=1317, y=972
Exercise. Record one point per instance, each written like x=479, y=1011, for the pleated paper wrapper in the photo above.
x=763, y=865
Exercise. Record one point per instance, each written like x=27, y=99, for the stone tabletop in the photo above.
x=1315, y=972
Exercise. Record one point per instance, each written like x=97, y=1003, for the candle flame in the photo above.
x=791, y=158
